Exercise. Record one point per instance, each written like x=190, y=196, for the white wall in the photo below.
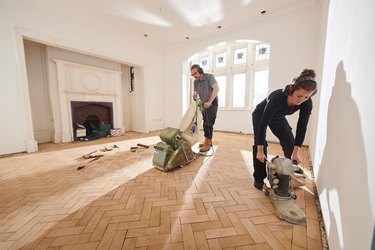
x=37, y=21
x=344, y=146
x=293, y=48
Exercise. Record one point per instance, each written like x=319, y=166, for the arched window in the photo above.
x=241, y=71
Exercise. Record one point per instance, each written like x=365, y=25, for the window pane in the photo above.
x=204, y=62
x=221, y=59
x=262, y=51
x=239, y=55
x=222, y=82
x=260, y=86
x=239, y=84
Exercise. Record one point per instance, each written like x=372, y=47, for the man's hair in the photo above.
x=196, y=66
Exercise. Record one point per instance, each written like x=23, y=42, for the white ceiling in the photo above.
x=169, y=22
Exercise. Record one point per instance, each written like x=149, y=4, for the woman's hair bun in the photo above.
x=308, y=72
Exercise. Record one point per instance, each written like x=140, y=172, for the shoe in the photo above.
x=204, y=148
x=258, y=184
x=207, y=143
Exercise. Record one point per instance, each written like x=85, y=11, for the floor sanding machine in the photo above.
x=282, y=176
x=174, y=150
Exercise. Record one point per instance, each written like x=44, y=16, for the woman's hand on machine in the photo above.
x=296, y=159
x=295, y=155
x=260, y=154
x=261, y=157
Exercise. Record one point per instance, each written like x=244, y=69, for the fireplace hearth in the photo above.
x=91, y=120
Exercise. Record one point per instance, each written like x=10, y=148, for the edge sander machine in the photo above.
x=283, y=175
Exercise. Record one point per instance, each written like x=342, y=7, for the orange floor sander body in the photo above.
x=175, y=148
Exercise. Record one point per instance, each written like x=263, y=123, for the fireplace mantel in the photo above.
x=78, y=82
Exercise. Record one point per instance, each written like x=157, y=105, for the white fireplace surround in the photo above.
x=78, y=82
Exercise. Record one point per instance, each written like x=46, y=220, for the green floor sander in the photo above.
x=174, y=150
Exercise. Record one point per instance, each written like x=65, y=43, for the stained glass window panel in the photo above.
x=240, y=55
x=204, y=63
x=262, y=51
x=221, y=59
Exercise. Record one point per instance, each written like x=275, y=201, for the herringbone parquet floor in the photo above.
x=119, y=201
